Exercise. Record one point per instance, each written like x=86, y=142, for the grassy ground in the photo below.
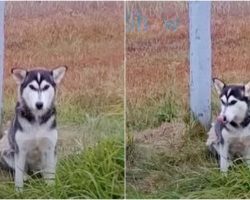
x=88, y=38
x=174, y=163
x=166, y=153
x=95, y=173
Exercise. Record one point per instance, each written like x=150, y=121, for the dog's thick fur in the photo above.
x=30, y=143
x=235, y=114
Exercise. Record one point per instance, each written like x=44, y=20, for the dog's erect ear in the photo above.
x=19, y=74
x=58, y=73
x=218, y=84
x=247, y=89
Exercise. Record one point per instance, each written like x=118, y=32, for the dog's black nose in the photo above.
x=39, y=105
x=224, y=119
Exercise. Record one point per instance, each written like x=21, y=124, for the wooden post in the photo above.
x=2, y=4
x=200, y=61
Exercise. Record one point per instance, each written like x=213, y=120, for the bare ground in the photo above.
x=166, y=139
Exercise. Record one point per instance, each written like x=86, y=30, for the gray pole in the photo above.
x=200, y=61
x=2, y=4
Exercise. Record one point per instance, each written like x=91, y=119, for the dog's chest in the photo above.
x=36, y=137
x=241, y=136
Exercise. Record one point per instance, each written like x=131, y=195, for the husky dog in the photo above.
x=234, y=123
x=30, y=143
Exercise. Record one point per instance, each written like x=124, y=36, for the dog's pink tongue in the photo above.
x=220, y=119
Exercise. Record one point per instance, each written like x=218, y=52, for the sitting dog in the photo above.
x=30, y=143
x=230, y=134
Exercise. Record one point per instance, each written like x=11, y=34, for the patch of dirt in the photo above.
x=150, y=182
x=165, y=137
x=143, y=167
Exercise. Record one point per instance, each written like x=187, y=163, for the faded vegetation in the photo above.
x=88, y=38
x=166, y=153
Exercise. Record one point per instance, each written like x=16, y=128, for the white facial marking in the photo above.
x=34, y=84
x=232, y=98
x=224, y=99
x=39, y=77
x=228, y=92
x=234, y=110
x=43, y=83
x=35, y=93
x=47, y=94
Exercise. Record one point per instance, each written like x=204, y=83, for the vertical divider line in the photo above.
x=2, y=5
x=125, y=99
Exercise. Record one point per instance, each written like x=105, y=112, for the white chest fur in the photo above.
x=239, y=140
x=237, y=134
x=35, y=140
x=35, y=137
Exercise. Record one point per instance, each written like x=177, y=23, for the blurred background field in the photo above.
x=85, y=36
x=166, y=153
x=157, y=59
x=88, y=37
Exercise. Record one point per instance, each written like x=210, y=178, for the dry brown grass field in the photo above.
x=85, y=36
x=157, y=59
x=88, y=37
x=165, y=148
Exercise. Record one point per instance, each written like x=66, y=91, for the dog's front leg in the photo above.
x=49, y=160
x=20, y=159
x=224, y=162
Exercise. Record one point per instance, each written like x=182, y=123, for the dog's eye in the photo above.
x=32, y=87
x=45, y=87
x=233, y=102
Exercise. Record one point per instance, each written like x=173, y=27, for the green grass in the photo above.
x=96, y=173
x=91, y=152
x=203, y=183
x=152, y=113
x=187, y=172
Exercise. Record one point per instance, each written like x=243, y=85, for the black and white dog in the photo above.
x=30, y=143
x=233, y=123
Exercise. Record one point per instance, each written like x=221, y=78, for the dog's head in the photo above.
x=37, y=88
x=234, y=101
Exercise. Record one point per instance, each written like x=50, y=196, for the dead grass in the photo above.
x=88, y=37
x=85, y=36
x=165, y=162
x=158, y=58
